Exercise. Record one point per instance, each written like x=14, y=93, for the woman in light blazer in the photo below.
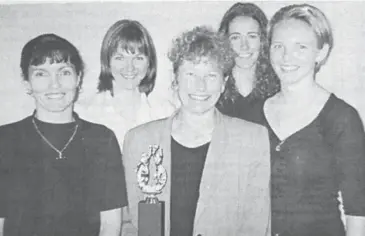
x=218, y=167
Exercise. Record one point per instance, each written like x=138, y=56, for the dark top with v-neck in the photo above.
x=311, y=166
x=42, y=195
x=187, y=166
x=247, y=108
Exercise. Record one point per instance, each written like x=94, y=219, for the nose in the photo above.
x=55, y=81
x=200, y=84
x=244, y=43
x=129, y=65
x=286, y=54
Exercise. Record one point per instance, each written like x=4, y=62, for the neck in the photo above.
x=127, y=93
x=300, y=90
x=244, y=78
x=196, y=122
x=55, y=117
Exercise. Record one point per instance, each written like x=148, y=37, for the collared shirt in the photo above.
x=101, y=110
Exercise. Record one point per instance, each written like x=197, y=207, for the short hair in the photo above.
x=266, y=83
x=51, y=47
x=131, y=36
x=312, y=16
x=201, y=41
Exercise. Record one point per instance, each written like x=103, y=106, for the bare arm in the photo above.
x=355, y=225
x=2, y=226
x=110, y=222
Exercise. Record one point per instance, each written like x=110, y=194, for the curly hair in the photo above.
x=266, y=83
x=202, y=41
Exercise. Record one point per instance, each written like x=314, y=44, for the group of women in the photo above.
x=242, y=155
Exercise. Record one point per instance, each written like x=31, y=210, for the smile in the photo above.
x=55, y=95
x=289, y=68
x=245, y=55
x=199, y=97
x=129, y=76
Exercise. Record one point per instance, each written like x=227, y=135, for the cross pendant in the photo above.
x=60, y=157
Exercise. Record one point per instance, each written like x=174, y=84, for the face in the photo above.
x=128, y=69
x=294, y=51
x=53, y=86
x=199, y=85
x=244, y=35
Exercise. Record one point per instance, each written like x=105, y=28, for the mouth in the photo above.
x=245, y=55
x=288, y=68
x=129, y=76
x=55, y=96
x=199, y=97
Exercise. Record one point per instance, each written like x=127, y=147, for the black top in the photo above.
x=41, y=195
x=187, y=166
x=311, y=166
x=248, y=108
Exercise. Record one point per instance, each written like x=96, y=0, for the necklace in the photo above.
x=60, y=156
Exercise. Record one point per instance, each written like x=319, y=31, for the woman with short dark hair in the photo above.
x=59, y=174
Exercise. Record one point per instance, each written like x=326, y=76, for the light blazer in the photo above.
x=234, y=191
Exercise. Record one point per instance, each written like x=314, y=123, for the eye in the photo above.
x=66, y=72
x=189, y=73
x=234, y=37
x=276, y=46
x=253, y=35
x=39, y=74
x=212, y=76
x=302, y=47
x=119, y=58
x=140, y=58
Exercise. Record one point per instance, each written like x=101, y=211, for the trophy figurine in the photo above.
x=151, y=211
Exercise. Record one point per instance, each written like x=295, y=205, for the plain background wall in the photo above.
x=84, y=24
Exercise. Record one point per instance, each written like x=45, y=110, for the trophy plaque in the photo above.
x=151, y=211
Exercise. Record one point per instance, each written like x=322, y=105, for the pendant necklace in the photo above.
x=60, y=156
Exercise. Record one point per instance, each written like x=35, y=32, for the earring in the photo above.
x=29, y=91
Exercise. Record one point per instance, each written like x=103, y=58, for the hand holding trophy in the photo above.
x=151, y=212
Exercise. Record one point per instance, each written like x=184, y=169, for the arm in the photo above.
x=110, y=222
x=349, y=146
x=2, y=226
x=112, y=192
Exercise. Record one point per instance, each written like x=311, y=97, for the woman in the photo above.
x=252, y=79
x=317, y=151
x=127, y=78
x=215, y=164
x=59, y=174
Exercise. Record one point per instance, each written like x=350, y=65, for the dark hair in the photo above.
x=53, y=48
x=131, y=36
x=266, y=83
x=312, y=16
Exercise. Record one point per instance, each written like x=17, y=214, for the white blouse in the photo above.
x=100, y=110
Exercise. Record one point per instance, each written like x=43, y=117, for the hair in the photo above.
x=314, y=17
x=53, y=48
x=201, y=41
x=266, y=82
x=131, y=36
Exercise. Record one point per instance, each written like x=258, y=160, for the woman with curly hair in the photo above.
x=252, y=79
x=214, y=186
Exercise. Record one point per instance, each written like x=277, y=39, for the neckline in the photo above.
x=324, y=109
x=190, y=148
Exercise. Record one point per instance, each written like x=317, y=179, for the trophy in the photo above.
x=151, y=211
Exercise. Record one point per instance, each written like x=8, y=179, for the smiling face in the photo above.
x=244, y=35
x=53, y=86
x=294, y=51
x=200, y=85
x=128, y=69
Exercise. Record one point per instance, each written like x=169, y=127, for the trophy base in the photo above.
x=151, y=218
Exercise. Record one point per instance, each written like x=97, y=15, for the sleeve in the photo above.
x=256, y=216
x=3, y=186
x=5, y=156
x=349, y=147
x=114, y=194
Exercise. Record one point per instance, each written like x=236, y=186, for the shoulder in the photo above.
x=97, y=99
x=160, y=108
x=10, y=129
x=243, y=127
x=146, y=130
x=99, y=131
